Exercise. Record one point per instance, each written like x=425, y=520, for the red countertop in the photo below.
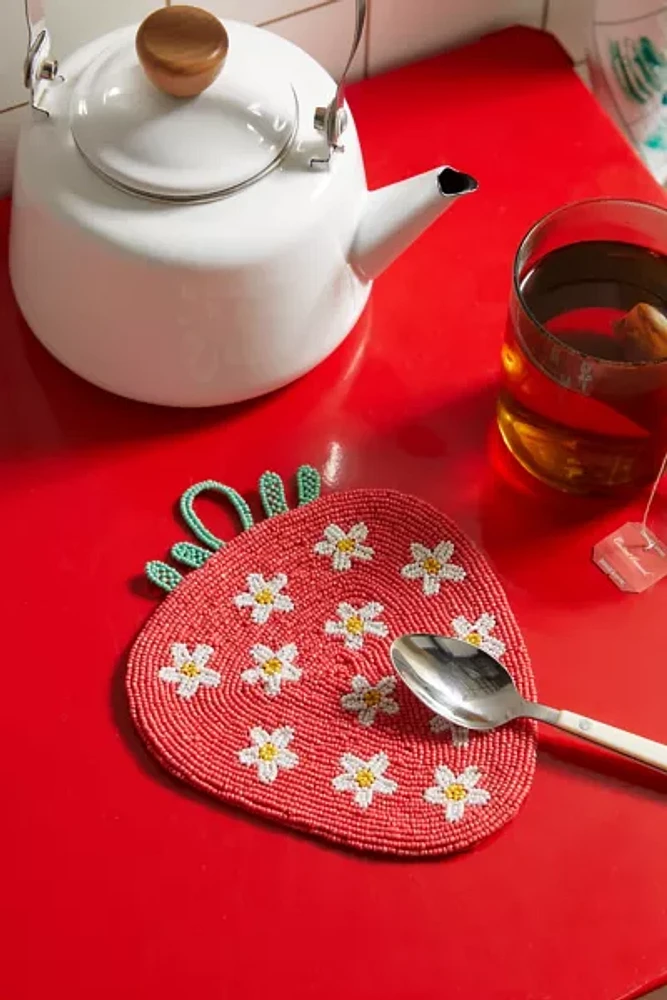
x=118, y=881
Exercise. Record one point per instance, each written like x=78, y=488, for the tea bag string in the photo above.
x=650, y=543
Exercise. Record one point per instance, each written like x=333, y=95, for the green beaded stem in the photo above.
x=308, y=484
x=274, y=502
x=272, y=492
x=195, y=524
x=190, y=555
x=163, y=575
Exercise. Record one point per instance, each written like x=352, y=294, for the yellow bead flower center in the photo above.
x=354, y=625
x=267, y=752
x=475, y=639
x=272, y=666
x=264, y=597
x=190, y=670
x=431, y=565
x=455, y=792
x=346, y=545
x=364, y=777
x=372, y=698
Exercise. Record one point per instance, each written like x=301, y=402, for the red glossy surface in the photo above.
x=118, y=881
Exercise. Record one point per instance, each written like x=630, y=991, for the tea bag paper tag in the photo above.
x=633, y=557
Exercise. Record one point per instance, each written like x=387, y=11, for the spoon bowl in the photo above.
x=457, y=680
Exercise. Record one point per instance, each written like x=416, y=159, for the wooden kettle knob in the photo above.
x=182, y=49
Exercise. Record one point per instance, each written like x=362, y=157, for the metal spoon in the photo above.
x=469, y=688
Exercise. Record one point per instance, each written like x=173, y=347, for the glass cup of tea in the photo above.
x=583, y=403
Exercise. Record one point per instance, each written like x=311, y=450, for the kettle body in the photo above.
x=188, y=303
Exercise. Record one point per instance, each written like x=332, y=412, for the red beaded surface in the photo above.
x=216, y=734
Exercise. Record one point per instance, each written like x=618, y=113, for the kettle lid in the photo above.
x=190, y=111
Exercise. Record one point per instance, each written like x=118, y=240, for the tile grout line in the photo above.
x=14, y=107
x=546, y=4
x=295, y=13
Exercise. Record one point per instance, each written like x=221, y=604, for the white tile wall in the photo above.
x=255, y=11
x=326, y=32
x=569, y=21
x=399, y=31
x=13, y=39
x=74, y=22
x=404, y=30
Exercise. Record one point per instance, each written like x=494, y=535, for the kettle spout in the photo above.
x=395, y=216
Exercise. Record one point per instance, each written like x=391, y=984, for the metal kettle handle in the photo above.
x=332, y=120
x=37, y=66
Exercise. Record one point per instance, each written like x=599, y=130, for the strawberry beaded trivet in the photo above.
x=264, y=676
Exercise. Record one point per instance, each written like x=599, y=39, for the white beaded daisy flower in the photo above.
x=367, y=699
x=342, y=547
x=364, y=778
x=268, y=752
x=189, y=669
x=479, y=634
x=433, y=566
x=357, y=623
x=272, y=668
x=456, y=792
x=264, y=597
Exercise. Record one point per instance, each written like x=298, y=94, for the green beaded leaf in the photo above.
x=308, y=484
x=196, y=525
x=163, y=575
x=189, y=554
x=272, y=492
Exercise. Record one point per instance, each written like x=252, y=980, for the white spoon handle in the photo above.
x=646, y=751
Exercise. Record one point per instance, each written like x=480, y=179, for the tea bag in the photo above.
x=643, y=333
x=633, y=557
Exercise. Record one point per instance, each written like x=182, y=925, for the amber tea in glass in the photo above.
x=583, y=404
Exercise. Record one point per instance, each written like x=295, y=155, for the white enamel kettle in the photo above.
x=187, y=228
